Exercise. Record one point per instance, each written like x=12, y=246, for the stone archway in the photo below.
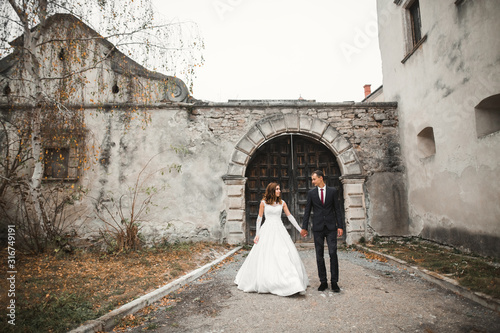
x=288, y=159
x=315, y=128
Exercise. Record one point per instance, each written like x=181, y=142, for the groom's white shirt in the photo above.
x=324, y=192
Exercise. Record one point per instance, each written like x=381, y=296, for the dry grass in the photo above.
x=471, y=271
x=57, y=292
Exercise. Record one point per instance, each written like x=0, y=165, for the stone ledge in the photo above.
x=293, y=104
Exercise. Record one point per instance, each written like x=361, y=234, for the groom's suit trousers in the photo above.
x=319, y=245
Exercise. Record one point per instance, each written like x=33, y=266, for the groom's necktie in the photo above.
x=322, y=198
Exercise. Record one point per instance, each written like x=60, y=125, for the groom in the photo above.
x=328, y=222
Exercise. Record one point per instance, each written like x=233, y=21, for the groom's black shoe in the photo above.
x=323, y=286
x=335, y=287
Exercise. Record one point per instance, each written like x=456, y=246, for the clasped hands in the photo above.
x=304, y=232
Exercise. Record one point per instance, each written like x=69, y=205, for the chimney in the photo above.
x=368, y=89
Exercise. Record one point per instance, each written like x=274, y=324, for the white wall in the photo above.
x=188, y=204
x=453, y=195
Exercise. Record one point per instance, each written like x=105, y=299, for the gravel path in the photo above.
x=375, y=297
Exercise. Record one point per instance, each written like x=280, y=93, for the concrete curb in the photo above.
x=442, y=281
x=109, y=320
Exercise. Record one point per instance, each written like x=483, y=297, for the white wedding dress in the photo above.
x=273, y=265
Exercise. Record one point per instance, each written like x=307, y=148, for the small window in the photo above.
x=56, y=163
x=425, y=143
x=413, y=28
x=115, y=88
x=415, y=22
x=487, y=114
x=61, y=55
x=7, y=90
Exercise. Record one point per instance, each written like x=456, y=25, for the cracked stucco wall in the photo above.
x=453, y=195
x=191, y=205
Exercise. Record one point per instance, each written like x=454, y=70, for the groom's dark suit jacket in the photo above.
x=328, y=215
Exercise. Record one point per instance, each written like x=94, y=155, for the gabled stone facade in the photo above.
x=104, y=75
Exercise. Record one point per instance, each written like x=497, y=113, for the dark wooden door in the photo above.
x=288, y=160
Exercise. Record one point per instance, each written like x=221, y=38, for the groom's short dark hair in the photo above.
x=319, y=173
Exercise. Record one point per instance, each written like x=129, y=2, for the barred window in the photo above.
x=56, y=163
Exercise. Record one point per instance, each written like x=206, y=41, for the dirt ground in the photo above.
x=375, y=297
x=55, y=292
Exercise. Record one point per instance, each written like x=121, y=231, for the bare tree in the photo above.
x=54, y=54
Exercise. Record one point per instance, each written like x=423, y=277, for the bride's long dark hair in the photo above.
x=270, y=196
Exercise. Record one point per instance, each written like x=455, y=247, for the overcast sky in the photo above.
x=324, y=50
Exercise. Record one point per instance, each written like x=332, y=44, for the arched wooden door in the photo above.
x=288, y=160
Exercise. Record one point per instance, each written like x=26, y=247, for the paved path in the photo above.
x=375, y=297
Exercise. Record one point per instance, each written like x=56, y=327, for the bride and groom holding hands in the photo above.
x=274, y=265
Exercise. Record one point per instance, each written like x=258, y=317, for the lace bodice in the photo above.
x=273, y=212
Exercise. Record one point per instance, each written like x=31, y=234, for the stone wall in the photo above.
x=206, y=200
x=371, y=128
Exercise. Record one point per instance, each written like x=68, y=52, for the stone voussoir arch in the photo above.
x=273, y=126
x=280, y=124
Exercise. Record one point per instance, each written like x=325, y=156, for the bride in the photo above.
x=273, y=265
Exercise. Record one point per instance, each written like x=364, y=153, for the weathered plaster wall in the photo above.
x=194, y=204
x=188, y=204
x=453, y=195
x=386, y=204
